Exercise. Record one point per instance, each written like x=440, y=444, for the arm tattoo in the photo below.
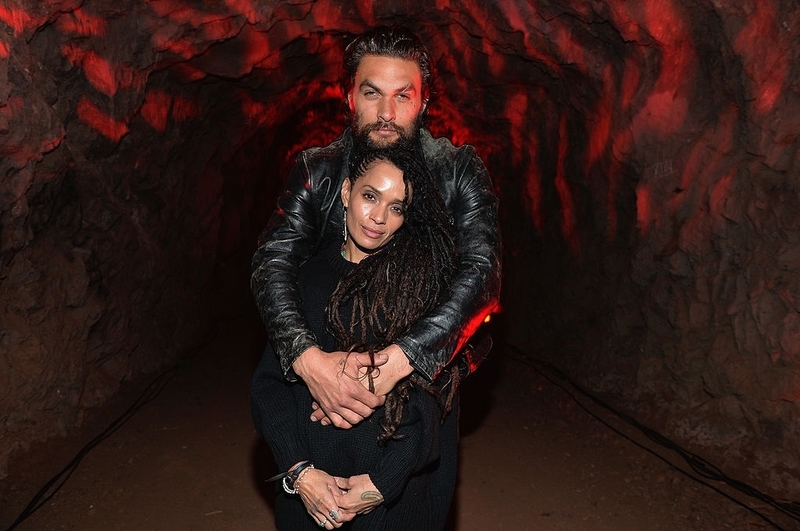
x=371, y=495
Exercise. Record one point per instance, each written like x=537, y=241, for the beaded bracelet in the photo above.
x=294, y=475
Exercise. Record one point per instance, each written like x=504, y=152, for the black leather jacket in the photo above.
x=310, y=211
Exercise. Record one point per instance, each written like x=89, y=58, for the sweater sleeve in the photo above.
x=274, y=411
x=418, y=447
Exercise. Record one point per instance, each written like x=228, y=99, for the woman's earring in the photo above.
x=344, y=225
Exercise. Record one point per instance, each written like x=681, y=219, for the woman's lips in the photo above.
x=373, y=234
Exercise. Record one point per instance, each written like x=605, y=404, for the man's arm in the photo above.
x=290, y=238
x=288, y=241
x=431, y=343
x=434, y=340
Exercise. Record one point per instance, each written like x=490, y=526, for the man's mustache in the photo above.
x=385, y=125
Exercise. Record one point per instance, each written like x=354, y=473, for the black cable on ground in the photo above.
x=54, y=485
x=700, y=466
x=149, y=394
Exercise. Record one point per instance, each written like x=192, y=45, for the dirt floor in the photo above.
x=532, y=458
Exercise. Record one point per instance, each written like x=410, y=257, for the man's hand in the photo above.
x=394, y=370
x=332, y=379
x=361, y=496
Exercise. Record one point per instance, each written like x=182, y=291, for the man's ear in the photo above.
x=349, y=101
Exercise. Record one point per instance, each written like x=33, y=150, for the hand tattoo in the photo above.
x=371, y=495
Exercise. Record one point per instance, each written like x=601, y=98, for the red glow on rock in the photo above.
x=3, y=50
x=256, y=48
x=766, y=58
x=189, y=72
x=246, y=8
x=523, y=149
x=17, y=19
x=666, y=107
x=184, y=109
x=11, y=112
x=79, y=22
x=719, y=194
x=534, y=189
x=49, y=144
x=101, y=73
x=104, y=124
x=611, y=201
x=155, y=109
x=98, y=70
x=630, y=82
x=221, y=28
x=568, y=221
x=600, y=122
x=177, y=11
x=254, y=111
x=709, y=152
x=643, y=209
x=569, y=51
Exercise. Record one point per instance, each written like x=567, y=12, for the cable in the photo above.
x=54, y=485
x=697, y=463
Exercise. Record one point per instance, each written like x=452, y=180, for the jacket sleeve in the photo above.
x=418, y=447
x=286, y=243
x=432, y=342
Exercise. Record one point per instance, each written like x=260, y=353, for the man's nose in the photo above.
x=386, y=110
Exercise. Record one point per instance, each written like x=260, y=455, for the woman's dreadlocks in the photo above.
x=395, y=286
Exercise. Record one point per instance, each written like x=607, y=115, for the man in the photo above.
x=387, y=78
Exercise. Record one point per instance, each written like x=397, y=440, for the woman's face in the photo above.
x=375, y=209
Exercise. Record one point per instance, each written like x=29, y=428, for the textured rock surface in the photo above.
x=646, y=154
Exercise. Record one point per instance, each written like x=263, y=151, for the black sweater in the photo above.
x=281, y=412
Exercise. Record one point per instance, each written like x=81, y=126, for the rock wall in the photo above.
x=645, y=153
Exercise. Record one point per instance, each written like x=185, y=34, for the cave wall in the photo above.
x=645, y=154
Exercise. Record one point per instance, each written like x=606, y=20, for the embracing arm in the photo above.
x=293, y=233
x=288, y=240
x=434, y=339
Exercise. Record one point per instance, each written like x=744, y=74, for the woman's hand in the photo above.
x=360, y=497
x=321, y=495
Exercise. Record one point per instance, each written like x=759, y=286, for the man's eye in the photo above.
x=404, y=96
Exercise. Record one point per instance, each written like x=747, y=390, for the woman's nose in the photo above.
x=378, y=215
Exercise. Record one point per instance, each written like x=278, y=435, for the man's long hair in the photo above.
x=388, y=41
x=395, y=286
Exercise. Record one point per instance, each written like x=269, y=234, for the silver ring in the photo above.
x=323, y=523
x=334, y=515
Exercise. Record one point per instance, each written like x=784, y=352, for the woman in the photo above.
x=396, y=260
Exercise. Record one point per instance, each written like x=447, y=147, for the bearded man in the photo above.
x=387, y=78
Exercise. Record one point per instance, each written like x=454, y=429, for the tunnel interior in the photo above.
x=645, y=155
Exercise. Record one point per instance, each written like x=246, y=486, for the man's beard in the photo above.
x=406, y=136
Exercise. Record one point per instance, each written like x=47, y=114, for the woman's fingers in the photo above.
x=320, y=493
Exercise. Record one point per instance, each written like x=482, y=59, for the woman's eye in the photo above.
x=368, y=196
x=398, y=210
